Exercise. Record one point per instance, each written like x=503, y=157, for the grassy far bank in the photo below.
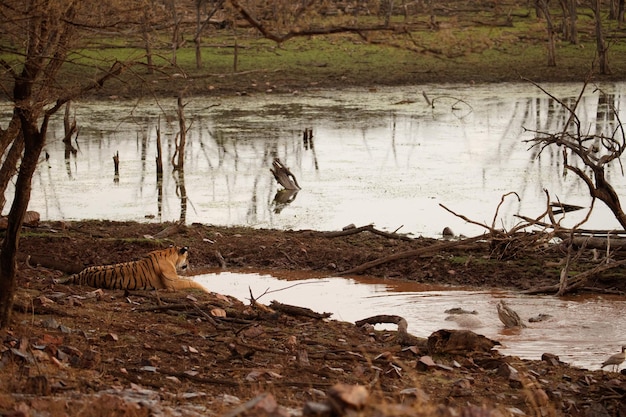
x=465, y=49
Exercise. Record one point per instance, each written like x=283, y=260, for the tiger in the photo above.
x=158, y=270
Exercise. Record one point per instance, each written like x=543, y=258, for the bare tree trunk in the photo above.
x=196, y=39
x=201, y=26
x=235, y=51
x=182, y=193
x=538, y=9
x=612, y=9
x=603, y=57
x=176, y=32
x=34, y=141
x=570, y=18
x=178, y=159
x=545, y=11
x=147, y=37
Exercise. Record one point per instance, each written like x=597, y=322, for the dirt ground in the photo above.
x=80, y=351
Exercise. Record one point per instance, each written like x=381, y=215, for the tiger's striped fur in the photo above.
x=158, y=270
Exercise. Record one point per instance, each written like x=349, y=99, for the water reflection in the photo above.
x=386, y=157
x=579, y=330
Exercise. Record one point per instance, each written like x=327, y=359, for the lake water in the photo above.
x=384, y=157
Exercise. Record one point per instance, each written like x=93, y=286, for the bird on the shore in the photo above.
x=615, y=360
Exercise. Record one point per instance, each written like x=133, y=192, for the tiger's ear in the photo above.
x=183, y=250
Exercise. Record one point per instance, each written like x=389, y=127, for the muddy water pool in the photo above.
x=383, y=156
x=582, y=331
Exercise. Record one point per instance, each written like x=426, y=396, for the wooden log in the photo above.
x=404, y=338
x=284, y=176
x=298, y=311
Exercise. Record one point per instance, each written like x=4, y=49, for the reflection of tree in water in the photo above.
x=181, y=192
x=69, y=129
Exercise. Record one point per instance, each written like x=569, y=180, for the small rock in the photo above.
x=230, y=399
x=50, y=323
x=540, y=317
x=424, y=363
x=313, y=409
x=459, y=310
x=420, y=395
x=551, y=359
x=344, y=396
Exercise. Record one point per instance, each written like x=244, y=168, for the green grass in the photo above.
x=460, y=51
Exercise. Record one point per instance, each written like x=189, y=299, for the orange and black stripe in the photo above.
x=143, y=274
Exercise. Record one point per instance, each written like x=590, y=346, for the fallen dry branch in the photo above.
x=563, y=231
x=575, y=282
x=594, y=242
x=369, y=228
x=508, y=244
x=298, y=311
x=411, y=253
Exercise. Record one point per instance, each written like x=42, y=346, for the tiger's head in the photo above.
x=181, y=257
x=174, y=255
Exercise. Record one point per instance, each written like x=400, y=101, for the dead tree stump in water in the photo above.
x=159, y=157
x=284, y=176
x=116, y=165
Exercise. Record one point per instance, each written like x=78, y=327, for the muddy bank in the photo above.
x=72, y=348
